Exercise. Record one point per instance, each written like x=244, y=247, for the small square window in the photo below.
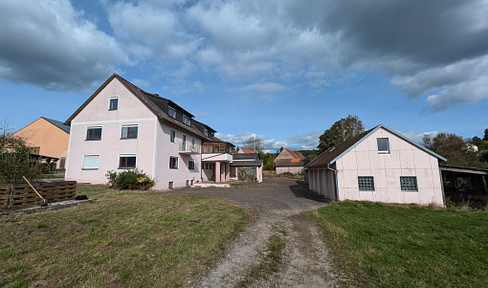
x=172, y=136
x=127, y=161
x=172, y=112
x=173, y=162
x=170, y=185
x=366, y=183
x=129, y=131
x=94, y=133
x=114, y=103
x=383, y=145
x=408, y=183
x=91, y=162
x=191, y=164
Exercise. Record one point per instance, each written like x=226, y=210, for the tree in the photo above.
x=453, y=148
x=255, y=143
x=486, y=135
x=15, y=160
x=340, y=131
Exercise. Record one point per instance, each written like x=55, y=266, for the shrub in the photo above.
x=129, y=179
x=15, y=160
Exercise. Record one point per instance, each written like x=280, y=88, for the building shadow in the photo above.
x=300, y=190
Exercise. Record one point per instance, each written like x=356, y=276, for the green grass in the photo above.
x=269, y=264
x=127, y=239
x=386, y=246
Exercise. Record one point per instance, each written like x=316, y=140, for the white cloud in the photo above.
x=417, y=137
x=308, y=141
x=266, y=87
x=50, y=44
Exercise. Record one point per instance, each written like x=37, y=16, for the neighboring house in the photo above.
x=47, y=138
x=247, y=166
x=378, y=165
x=289, y=161
x=123, y=127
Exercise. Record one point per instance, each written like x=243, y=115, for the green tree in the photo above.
x=340, y=131
x=15, y=160
x=453, y=148
x=486, y=135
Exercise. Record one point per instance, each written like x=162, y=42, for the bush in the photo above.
x=15, y=160
x=129, y=179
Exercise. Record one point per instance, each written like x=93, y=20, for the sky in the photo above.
x=283, y=70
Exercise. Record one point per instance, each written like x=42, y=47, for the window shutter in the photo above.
x=91, y=161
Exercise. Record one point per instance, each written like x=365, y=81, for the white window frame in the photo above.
x=110, y=101
x=91, y=167
x=171, y=112
x=128, y=126
x=172, y=136
x=94, y=127
x=387, y=145
x=177, y=160
x=127, y=155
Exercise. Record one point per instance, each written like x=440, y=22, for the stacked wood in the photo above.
x=22, y=196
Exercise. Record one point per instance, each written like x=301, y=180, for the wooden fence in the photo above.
x=22, y=196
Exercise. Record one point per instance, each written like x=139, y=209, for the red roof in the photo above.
x=248, y=151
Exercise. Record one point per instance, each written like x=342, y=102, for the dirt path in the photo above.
x=305, y=257
x=280, y=204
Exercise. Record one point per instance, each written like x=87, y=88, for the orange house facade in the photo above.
x=47, y=137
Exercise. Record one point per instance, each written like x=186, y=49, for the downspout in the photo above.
x=335, y=181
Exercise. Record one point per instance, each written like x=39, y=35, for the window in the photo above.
x=129, y=131
x=171, y=112
x=91, y=162
x=191, y=164
x=186, y=120
x=366, y=183
x=62, y=162
x=114, y=103
x=192, y=142
x=383, y=145
x=173, y=162
x=127, y=161
x=184, y=140
x=93, y=133
x=172, y=136
x=408, y=183
x=170, y=185
x=205, y=132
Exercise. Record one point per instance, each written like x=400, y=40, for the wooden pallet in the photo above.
x=22, y=196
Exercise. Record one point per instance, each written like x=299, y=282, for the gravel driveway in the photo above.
x=279, y=204
x=278, y=193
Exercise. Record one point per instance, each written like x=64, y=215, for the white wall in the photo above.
x=404, y=159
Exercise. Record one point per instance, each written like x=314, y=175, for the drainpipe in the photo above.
x=335, y=181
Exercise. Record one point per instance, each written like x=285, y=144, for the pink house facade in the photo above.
x=123, y=127
x=379, y=165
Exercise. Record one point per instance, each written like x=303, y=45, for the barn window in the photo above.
x=366, y=183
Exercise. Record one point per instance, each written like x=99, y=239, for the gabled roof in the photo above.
x=291, y=162
x=295, y=154
x=248, y=151
x=153, y=102
x=331, y=155
x=58, y=124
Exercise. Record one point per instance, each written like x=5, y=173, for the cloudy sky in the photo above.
x=284, y=70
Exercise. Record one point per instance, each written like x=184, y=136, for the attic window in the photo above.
x=172, y=112
x=114, y=103
x=383, y=145
x=186, y=120
x=205, y=132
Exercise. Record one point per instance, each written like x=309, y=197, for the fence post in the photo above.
x=10, y=192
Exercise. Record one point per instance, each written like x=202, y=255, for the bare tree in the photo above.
x=255, y=143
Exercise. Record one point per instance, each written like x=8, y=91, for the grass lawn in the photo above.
x=127, y=239
x=384, y=246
